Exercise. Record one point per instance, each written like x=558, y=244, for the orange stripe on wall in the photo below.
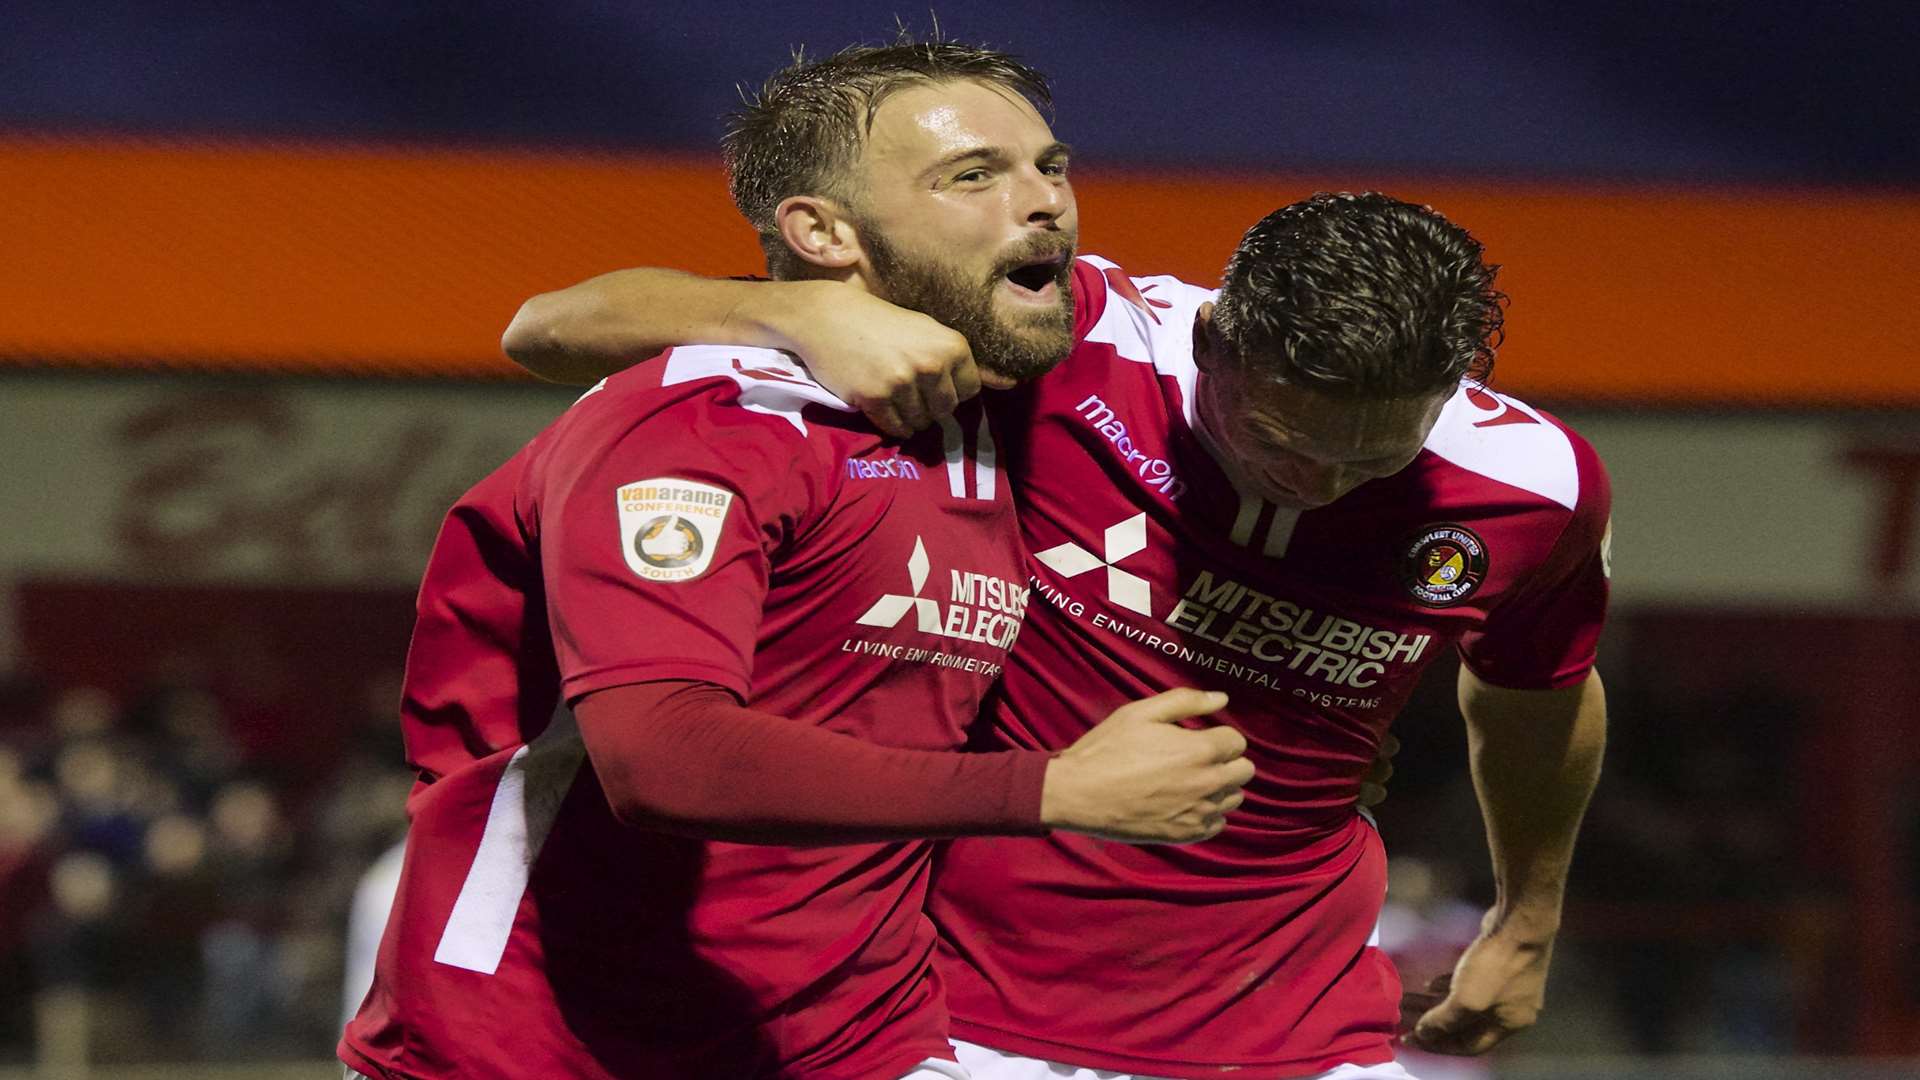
x=1766, y=298
x=411, y=261
x=325, y=259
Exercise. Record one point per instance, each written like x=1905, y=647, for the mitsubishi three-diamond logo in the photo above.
x=888, y=610
x=1129, y=537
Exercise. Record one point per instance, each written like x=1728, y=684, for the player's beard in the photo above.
x=1021, y=348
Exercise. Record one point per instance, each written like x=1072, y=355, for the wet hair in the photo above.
x=1360, y=296
x=803, y=132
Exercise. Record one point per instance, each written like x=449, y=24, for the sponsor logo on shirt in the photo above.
x=887, y=468
x=979, y=607
x=1128, y=537
x=1444, y=564
x=1497, y=413
x=1240, y=632
x=669, y=527
x=1157, y=473
x=1232, y=628
x=1118, y=280
x=1315, y=644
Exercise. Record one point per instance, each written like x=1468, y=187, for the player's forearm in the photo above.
x=585, y=332
x=685, y=758
x=1536, y=758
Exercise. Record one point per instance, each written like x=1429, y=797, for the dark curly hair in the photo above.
x=803, y=133
x=1360, y=296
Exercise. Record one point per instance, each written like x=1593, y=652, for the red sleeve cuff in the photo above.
x=1026, y=776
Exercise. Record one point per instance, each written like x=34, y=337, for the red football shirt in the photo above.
x=715, y=517
x=1247, y=955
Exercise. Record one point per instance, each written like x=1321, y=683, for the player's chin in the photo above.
x=1025, y=356
x=1005, y=373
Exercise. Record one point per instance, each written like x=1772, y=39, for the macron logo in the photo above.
x=1157, y=473
x=1129, y=537
x=891, y=468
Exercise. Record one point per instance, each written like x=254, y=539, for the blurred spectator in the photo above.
x=74, y=937
x=168, y=916
x=366, y=923
x=250, y=860
x=103, y=796
x=83, y=712
x=184, y=735
x=28, y=811
x=1910, y=868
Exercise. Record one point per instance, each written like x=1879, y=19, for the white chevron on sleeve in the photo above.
x=770, y=381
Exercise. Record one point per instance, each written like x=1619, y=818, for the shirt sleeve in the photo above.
x=656, y=535
x=688, y=758
x=1545, y=636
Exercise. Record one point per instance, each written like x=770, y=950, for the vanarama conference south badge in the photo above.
x=669, y=527
x=1443, y=564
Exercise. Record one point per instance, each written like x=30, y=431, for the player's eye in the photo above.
x=1273, y=444
x=971, y=176
x=1054, y=168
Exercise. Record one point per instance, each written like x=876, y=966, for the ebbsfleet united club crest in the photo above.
x=1443, y=564
x=669, y=526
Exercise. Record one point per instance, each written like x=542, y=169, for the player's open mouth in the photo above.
x=1037, y=282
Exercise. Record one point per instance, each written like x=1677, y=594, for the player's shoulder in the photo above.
x=1146, y=319
x=752, y=418
x=733, y=382
x=700, y=425
x=1502, y=439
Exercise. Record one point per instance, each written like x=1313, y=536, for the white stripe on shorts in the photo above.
x=986, y=1063
x=930, y=1069
x=525, y=803
x=938, y=1069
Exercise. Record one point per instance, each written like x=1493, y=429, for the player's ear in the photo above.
x=819, y=231
x=1206, y=343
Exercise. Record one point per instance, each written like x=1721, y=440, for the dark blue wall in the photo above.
x=1676, y=90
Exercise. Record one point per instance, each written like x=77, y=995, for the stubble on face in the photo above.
x=1020, y=345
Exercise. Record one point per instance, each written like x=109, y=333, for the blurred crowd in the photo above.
x=197, y=896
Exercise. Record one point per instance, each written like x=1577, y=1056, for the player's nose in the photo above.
x=1044, y=198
